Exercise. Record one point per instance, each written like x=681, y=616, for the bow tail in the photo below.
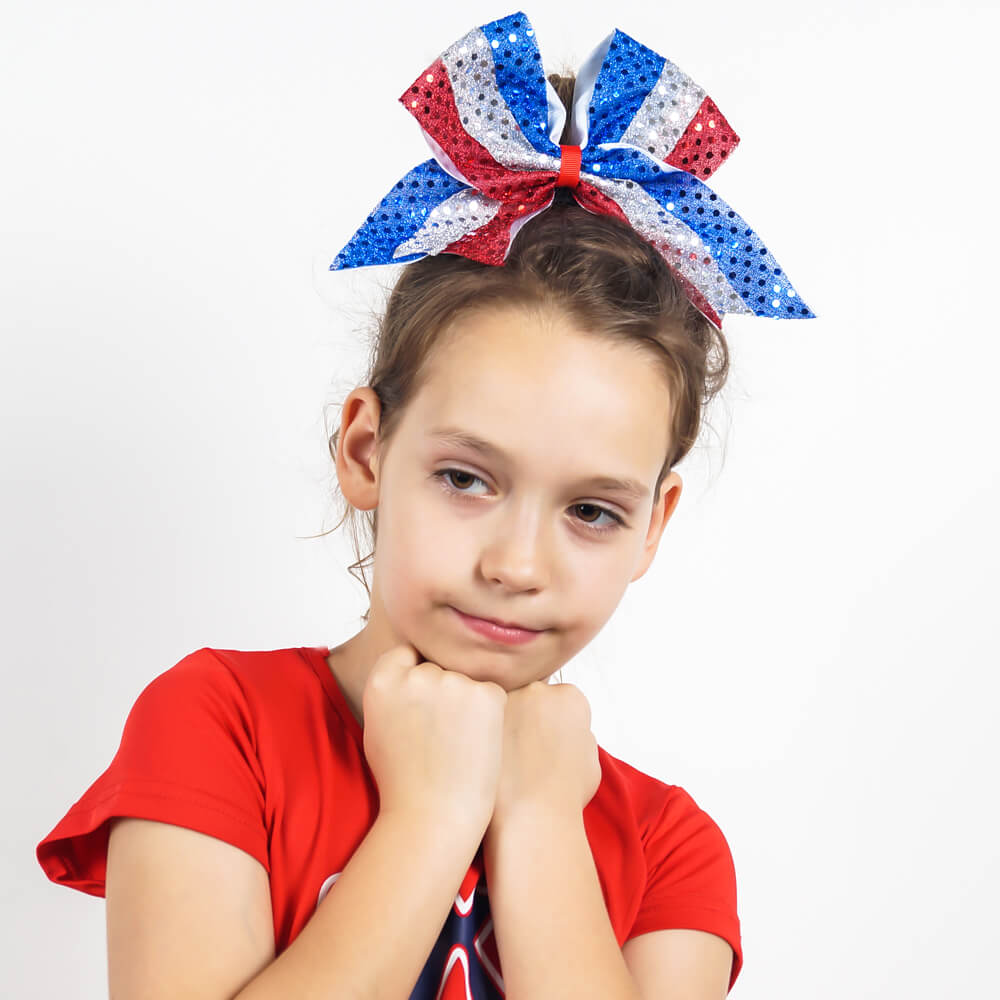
x=710, y=245
x=590, y=198
x=719, y=250
x=489, y=243
x=399, y=217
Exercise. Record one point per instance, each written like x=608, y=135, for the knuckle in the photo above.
x=423, y=674
x=493, y=692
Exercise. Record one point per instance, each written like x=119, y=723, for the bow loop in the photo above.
x=484, y=100
x=636, y=97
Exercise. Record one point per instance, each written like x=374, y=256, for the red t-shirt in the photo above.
x=260, y=749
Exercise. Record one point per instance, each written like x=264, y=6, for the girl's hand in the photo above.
x=432, y=738
x=549, y=753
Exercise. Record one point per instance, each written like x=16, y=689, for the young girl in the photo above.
x=417, y=811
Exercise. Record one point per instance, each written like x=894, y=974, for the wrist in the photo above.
x=462, y=823
x=534, y=815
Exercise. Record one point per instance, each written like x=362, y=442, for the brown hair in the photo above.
x=595, y=269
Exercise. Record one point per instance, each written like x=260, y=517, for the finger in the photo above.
x=398, y=660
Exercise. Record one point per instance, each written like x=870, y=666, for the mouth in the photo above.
x=502, y=624
x=500, y=631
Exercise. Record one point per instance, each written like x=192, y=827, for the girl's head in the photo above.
x=579, y=359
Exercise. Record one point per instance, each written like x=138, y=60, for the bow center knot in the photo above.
x=569, y=166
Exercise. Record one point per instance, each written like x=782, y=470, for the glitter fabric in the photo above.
x=682, y=248
x=628, y=80
x=398, y=216
x=647, y=134
x=706, y=142
x=483, y=110
x=520, y=80
x=446, y=223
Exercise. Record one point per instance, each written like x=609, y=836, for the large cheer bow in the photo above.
x=641, y=135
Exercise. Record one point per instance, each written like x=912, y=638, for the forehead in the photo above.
x=538, y=385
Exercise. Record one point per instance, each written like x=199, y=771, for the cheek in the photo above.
x=417, y=540
x=598, y=578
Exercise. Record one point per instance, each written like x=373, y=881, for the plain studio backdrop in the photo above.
x=813, y=653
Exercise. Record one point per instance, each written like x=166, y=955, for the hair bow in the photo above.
x=641, y=135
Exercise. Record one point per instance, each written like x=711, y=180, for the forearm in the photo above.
x=552, y=928
x=373, y=931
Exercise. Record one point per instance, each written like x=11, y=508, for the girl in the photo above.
x=417, y=811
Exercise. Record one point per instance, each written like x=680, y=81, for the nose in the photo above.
x=516, y=552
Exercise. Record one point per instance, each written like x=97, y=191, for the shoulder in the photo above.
x=242, y=696
x=649, y=796
x=667, y=816
x=247, y=664
x=234, y=673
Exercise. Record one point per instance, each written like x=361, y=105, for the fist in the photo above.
x=549, y=756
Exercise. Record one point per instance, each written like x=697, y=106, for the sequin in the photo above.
x=484, y=113
x=398, y=216
x=681, y=247
x=706, y=142
x=448, y=222
x=665, y=112
x=517, y=68
x=628, y=73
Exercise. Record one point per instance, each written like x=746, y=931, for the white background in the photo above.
x=813, y=653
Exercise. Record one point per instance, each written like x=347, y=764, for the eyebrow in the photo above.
x=458, y=438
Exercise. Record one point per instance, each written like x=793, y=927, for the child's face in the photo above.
x=523, y=542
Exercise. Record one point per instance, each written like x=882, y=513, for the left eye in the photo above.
x=447, y=478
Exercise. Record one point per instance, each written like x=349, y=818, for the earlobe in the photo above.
x=357, y=458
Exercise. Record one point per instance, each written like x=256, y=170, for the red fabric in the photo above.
x=706, y=142
x=569, y=166
x=260, y=749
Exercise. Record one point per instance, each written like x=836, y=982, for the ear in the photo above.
x=357, y=455
x=666, y=503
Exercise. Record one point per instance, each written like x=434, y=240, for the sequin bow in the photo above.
x=642, y=134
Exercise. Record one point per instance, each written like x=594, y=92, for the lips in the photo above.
x=487, y=629
x=503, y=624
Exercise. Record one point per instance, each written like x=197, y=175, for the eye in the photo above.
x=449, y=475
x=447, y=478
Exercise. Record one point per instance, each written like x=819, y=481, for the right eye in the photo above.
x=448, y=476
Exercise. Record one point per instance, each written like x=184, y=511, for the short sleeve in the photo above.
x=187, y=756
x=690, y=876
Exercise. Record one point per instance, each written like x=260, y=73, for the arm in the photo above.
x=552, y=928
x=553, y=932
x=189, y=915
x=355, y=945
